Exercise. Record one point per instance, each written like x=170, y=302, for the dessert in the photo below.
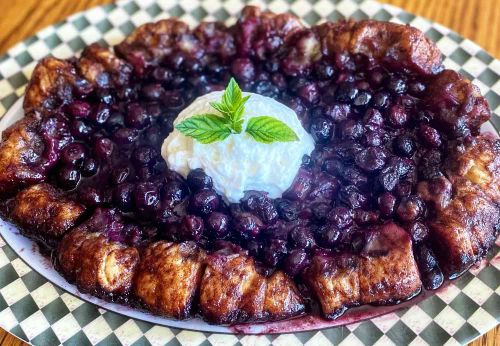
x=377, y=185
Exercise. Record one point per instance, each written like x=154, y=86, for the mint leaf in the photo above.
x=266, y=129
x=205, y=128
x=226, y=113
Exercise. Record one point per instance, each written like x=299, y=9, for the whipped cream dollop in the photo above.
x=239, y=163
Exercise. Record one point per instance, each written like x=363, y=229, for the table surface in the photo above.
x=477, y=20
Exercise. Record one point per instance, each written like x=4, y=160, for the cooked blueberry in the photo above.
x=300, y=186
x=218, y=224
x=341, y=217
x=425, y=258
x=346, y=92
x=125, y=136
x=137, y=117
x=432, y=280
x=100, y=114
x=418, y=231
x=351, y=129
x=146, y=196
x=243, y=69
x=386, y=203
x=89, y=167
x=79, y=109
x=362, y=99
x=197, y=179
x=410, y=208
x=324, y=70
x=429, y=136
x=92, y=197
x=287, y=210
x=254, y=248
x=397, y=85
x=103, y=148
x=123, y=196
x=302, y=237
x=338, y=112
x=404, y=145
x=259, y=203
x=68, y=177
x=295, y=262
x=309, y=93
x=120, y=173
x=328, y=235
x=144, y=155
x=73, y=154
x=351, y=196
x=321, y=129
x=191, y=227
x=204, y=202
x=274, y=252
x=247, y=225
x=397, y=116
x=380, y=100
x=371, y=159
x=80, y=129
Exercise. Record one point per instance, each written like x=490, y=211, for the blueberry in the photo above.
x=260, y=204
x=410, y=208
x=274, y=252
x=328, y=235
x=397, y=85
x=68, y=177
x=92, y=197
x=380, y=100
x=351, y=196
x=425, y=258
x=247, y=225
x=243, y=69
x=204, y=202
x=73, y=154
x=100, y=114
x=120, y=173
x=362, y=99
x=79, y=109
x=153, y=91
x=146, y=196
x=125, y=136
x=137, y=117
x=404, y=145
x=295, y=262
x=144, y=155
x=397, y=116
x=418, y=231
x=191, y=228
x=432, y=280
x=89, y=167
x=103, y=148
x=302, y=237
x=346, y=92
x=123, y=196
x=287, y=210
x=321, y=129
x=80, y=129
x=351, y=129
x=429, y=136
x=386, y=203
x=218, y=224
x=197, y=180
x=324, y=70
x=371, y=159
x=341, y=217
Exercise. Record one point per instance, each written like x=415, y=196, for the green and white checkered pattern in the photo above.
x=39, y=312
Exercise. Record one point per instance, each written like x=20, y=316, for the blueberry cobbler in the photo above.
x=254, y=172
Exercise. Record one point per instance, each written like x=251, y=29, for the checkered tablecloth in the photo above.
x=36, y=311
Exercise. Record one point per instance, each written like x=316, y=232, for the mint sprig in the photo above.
x=208, y=128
